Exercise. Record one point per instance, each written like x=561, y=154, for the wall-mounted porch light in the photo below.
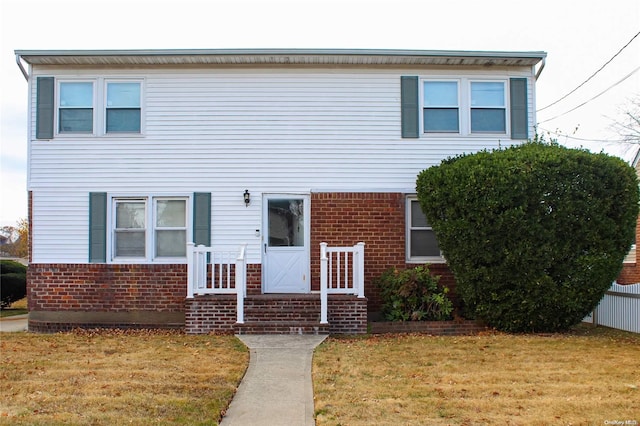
x=247, y=198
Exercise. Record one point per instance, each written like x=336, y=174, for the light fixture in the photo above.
x=247, y=198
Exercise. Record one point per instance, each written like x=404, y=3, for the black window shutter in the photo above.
x=202, y=218
x=97, y=227
x=409, y=106
x=44, y=107
x=519, y=110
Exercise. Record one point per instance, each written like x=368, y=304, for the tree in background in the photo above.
x=629, y=126
x=18, y=247
x=534, y=234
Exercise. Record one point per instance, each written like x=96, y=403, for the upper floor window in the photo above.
x=79, y=109
x=123, y=107
x=464, y=106
x=488, y=107
x=75, y=107
x=441, y=106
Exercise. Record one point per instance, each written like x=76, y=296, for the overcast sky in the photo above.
x=578, y=36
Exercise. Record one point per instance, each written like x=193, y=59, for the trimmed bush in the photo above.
x=13, y=282
x=413, y=295
x=534, y=234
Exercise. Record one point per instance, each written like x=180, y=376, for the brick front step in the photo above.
x=281, y=327
x=282, y=308
x=276, y=314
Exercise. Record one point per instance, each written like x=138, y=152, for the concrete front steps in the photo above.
x=276, y=314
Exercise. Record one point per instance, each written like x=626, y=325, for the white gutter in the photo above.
x=542, y=64
x=19, y=62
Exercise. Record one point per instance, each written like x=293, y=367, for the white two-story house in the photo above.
x=264, y=154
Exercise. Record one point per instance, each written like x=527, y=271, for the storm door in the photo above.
x=286, y=243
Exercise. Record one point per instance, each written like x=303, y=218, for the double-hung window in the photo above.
x=441, y=107
x=130, y=230
x=422, y=245
x=488, y=107
x=149, y=228
x=464, y=106
x=97, y=107
x=75, y=107
x=122, y=112
x=170, y=227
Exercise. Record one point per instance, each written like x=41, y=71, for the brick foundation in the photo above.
x=64, y=296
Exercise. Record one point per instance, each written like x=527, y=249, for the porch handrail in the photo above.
x=217, y=279
x=338, y=275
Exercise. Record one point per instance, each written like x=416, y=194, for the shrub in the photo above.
x=534, y=234
x=13, y=282
x=413, y=295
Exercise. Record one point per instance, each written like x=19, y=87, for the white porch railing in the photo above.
x=619, y=308
x=209, y=271
x=341, y=272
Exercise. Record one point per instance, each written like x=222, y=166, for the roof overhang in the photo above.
x=235, y=57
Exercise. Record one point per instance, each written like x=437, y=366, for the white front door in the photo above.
x=286, y=243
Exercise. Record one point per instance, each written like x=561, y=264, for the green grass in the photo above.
x=17, y=308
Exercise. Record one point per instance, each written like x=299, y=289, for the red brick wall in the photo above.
x=30, y=220
x=101, y=287
x=206, y=314
x=377, y=219
x=630, y=273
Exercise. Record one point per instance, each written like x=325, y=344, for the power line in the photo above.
x=593, y=98
x=584, y=139
x=592, y=75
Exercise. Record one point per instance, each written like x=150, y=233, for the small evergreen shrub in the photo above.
x=534, y=234
x=13, y=282
x=413, y=295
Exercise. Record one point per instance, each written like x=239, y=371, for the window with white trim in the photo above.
x=79, y=109
x=122, y=109
x=488, y=107
x=75, y=107
x=441, y=107
x=149, y=228
x=464, y=106
x=422, y=245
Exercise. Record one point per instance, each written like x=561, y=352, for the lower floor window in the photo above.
x=422, y=244
x=149, y=228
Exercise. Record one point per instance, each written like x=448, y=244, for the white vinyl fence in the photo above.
x=619, y=308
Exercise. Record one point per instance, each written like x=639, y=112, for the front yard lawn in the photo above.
x=118, y=377
x=587, y=376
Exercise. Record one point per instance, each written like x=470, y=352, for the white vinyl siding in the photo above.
x=269, y=131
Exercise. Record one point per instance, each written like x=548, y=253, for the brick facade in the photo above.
x=102, y=287
x=630, y=273
x=378, y=220
x=135, y=294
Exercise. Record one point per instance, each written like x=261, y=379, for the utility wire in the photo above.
x=562, y=135
x=593, y=98
x=592, y=75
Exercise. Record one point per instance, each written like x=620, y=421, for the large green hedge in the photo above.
x=13, y=282
x=534, y=234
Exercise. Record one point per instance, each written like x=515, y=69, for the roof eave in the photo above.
x=278, y=56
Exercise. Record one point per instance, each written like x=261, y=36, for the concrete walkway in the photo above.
x=14, y=323
x=277, y=387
